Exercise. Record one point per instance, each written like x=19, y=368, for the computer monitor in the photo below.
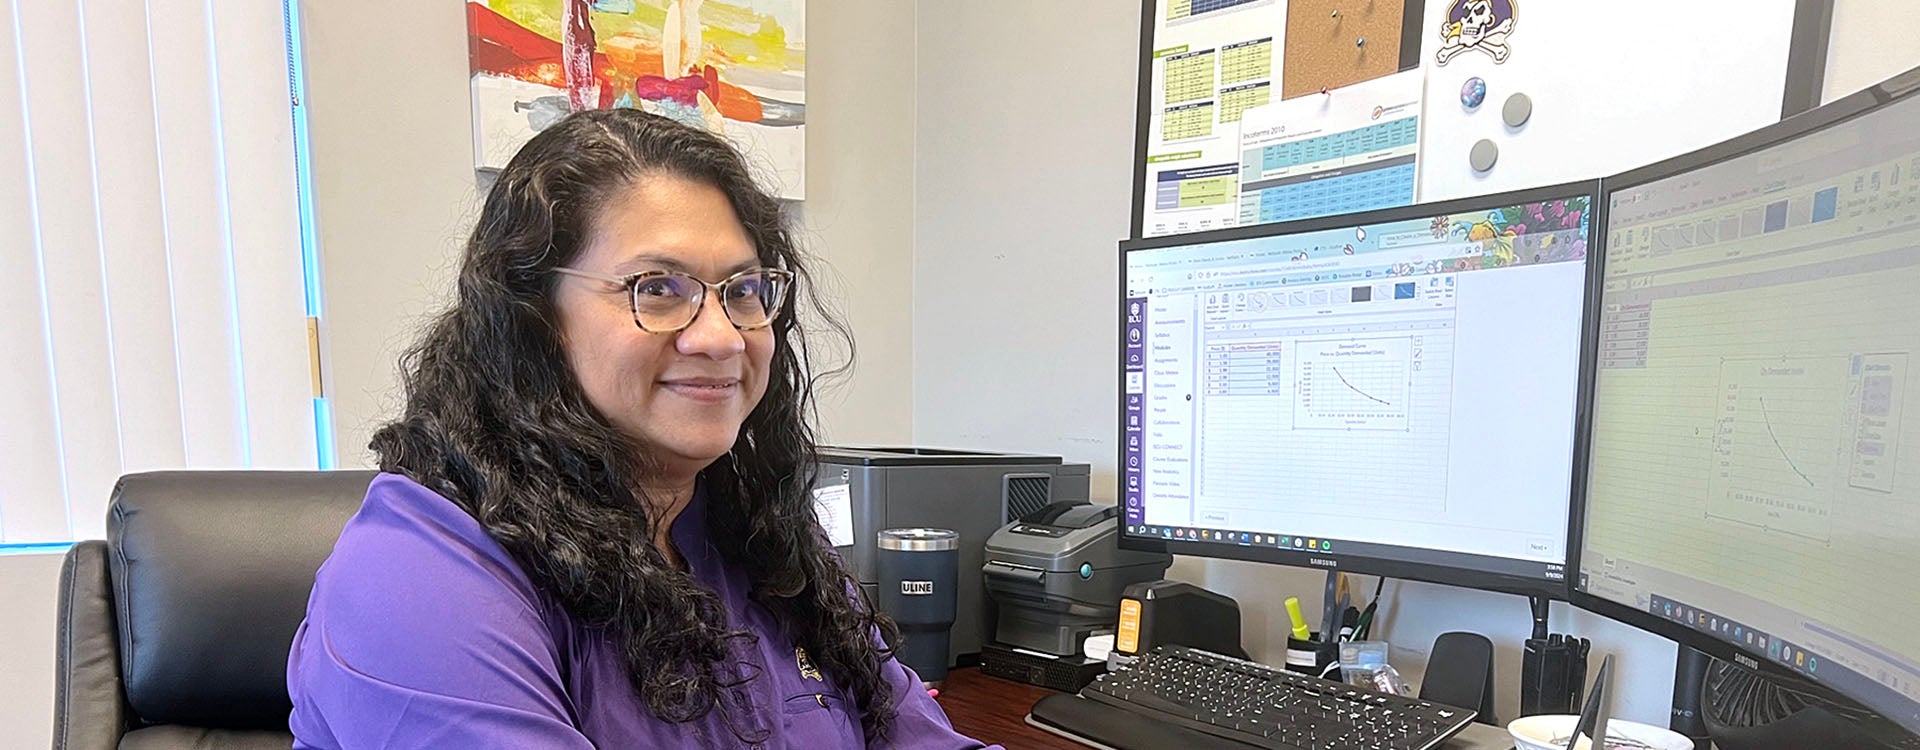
x=1753, y=485
x=1391, y=392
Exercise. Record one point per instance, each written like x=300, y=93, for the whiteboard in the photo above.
x=1614, y=85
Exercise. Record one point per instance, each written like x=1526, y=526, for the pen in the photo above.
x=1365, y=626
x=1349, y=623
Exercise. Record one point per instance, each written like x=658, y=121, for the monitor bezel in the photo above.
x=1827, y=115
x=1348, y=563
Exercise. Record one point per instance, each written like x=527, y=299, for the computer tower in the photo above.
x=971, y=492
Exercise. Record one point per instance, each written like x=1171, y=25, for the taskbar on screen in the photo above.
x=1324, y=550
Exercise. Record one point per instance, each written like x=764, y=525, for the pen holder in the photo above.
x=1314, y=657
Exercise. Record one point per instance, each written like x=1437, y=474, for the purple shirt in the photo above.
x=423, y=632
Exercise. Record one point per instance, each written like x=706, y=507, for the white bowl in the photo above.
x=1539, y=733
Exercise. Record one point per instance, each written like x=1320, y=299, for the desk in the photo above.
x=993, y=710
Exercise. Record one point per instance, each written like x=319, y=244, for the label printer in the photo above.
x=1057, y=574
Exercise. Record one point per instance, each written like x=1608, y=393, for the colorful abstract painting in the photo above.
x=736, y=67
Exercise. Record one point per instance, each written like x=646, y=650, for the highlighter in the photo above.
x=1300, y=632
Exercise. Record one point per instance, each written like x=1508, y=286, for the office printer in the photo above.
x=1057, y=573
x=862, y=490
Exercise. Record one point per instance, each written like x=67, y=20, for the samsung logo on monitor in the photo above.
x=1747, y=661
x=1323, y=562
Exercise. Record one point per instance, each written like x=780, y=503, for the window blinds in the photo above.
x=152, y=298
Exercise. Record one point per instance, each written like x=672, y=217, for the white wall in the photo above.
x=858, y=216
x=393, y=184
x=1025, y=126
x=29, y=587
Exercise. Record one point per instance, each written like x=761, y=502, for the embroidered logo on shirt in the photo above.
x=807, y=670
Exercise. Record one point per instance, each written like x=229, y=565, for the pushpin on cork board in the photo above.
x=1330, y=44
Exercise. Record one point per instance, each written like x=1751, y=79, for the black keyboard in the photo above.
x=1271, y=708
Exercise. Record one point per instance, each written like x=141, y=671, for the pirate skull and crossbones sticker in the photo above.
x=1481, y=25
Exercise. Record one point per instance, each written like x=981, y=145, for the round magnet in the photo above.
x=1484, y=154
x=1473, y=92
x=1518, y=110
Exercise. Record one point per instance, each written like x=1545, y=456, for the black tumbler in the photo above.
x=919, y=586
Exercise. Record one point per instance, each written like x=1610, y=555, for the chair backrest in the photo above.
x=1460, y=673
x=209, y=573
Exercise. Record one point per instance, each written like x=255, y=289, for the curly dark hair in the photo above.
x=496, y=422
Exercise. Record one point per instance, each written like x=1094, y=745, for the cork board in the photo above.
x=1320, y=44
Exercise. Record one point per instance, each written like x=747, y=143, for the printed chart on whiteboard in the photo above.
x=1354, y=149
x=1212, y=60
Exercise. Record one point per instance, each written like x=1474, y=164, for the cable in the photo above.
x=1364, y=626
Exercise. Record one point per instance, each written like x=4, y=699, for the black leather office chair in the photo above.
x=174, y=632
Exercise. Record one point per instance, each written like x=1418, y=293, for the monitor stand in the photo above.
x=1689, y=685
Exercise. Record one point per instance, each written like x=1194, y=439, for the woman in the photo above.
x=594, y=526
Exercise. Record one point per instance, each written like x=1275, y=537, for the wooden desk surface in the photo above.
x=994, y=711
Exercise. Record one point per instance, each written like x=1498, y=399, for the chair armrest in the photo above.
x=90, y=710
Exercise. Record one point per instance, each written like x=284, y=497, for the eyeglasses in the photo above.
x=669, y=301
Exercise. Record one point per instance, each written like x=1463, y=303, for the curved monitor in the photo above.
x=1753, y=482
x=1392, y=392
